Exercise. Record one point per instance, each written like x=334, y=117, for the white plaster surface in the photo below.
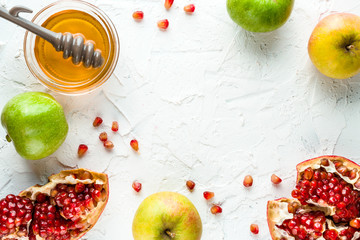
x=207, y=101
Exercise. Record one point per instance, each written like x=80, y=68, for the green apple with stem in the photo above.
x=260, y=15
x=167, y=216
x=35, y=122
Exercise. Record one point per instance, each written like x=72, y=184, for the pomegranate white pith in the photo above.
x=327, y=202
x=66, y=207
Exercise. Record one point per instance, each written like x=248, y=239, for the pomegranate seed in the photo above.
x=138, y=15
x=163, y=24
x=216, y=209
x=108, y=145
x=79, y=187
x=134, y=144
x=189, y=8
x=168, y=4
x=275, y=179
x=115, y=126
x=136, y=186
x=97, y=122
x=208, y=195
x=103, y=136
x=248, y=181
x=355, y=223
x=190, y=185
x=254, y=228
x=82, y=150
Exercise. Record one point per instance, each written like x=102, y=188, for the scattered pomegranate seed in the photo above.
x=134, y=144
x=103, y=136
x=208, y=195
x=115, y=126
x=82, y=150
x=168, y=4
x=254, y=228
x=97, y=122
x=275, y=179
x=138, y=15
x=108, y=145
x=190, y=185
x=216, y=209
x=248, y=181
x=189, y=8
x=163, y=24
x=136, y=186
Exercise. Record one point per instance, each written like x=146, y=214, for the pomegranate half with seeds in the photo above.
x=326, y=202
x=65, y=208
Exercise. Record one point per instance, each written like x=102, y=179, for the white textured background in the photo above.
x=207, y=101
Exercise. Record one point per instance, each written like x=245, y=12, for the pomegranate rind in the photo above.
x=316, y=161
x=73, y=177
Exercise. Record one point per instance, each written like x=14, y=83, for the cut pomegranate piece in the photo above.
x=97, y=122
x=58, y=210
x=326, y=206
x=189, y=8
x=138, y=15
x=168, y=4
x=163, y=24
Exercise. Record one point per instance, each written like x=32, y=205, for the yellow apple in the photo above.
x=166, y=216
x=334, y=45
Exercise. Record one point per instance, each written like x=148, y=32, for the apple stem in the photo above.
x=349, y=47
x=170, y=234
x=8, y=138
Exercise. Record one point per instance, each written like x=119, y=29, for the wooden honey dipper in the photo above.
x=70, y=45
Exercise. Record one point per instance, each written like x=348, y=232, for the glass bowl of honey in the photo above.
x=49, y=66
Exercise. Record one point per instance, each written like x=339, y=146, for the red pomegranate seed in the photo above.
x=189, y=8
x=79, y=187
x=163, y=24
x=275, y=179
x=82, y=150
x=208, y=195
x=168, y=4
x=134, y=144
x=138, y=15
x=254, y=228
x=97, y=122
x=115, y=126
x=248, y=181
x=136, y=186
x=108, y=145
x=216, y=209
x=103, y=136
x=190, y=185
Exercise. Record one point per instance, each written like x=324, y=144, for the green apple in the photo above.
x=167, y=216
x=260, y=15
x=35, y=123
x=334, y=45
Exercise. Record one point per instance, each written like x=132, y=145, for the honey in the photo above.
x=63, y=70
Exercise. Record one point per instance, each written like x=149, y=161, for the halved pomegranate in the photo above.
x=65, y=208
x=327, y=204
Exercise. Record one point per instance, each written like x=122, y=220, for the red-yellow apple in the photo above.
x=334, y=45
x=166, y=216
